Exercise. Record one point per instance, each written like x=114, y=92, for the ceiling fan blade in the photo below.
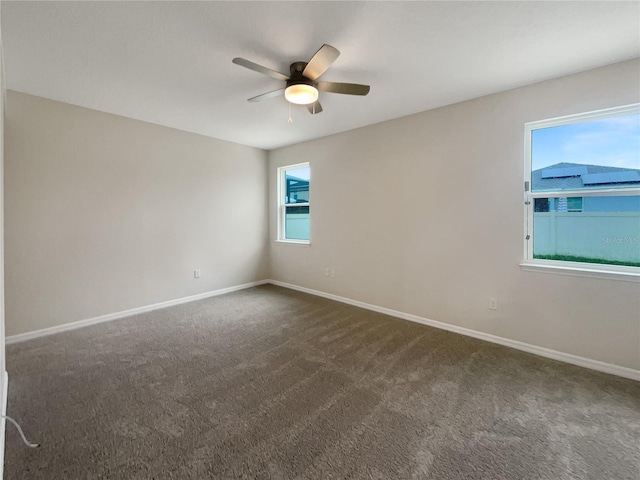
x=347, y=88
x=314, y=108
x=264, y=96
x=321, y=61
x=259, y=68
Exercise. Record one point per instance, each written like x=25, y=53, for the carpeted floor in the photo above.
x=272, y=383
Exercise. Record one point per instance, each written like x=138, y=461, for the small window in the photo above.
x=293, y=203
x=574, y=204
x=541, y=204
x=583, y=203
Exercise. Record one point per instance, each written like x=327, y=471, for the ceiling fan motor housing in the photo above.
x=297, y=78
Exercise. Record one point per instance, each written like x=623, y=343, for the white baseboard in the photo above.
x=536, y=350
x=21, y=337
x=525, y=347
x=3, y=421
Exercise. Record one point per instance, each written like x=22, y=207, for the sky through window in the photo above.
x=612, y=142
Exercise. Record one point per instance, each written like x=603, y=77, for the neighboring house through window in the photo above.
x=293, y=203
x=583, y=191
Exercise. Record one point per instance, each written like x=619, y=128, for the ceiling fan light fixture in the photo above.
x=301, y=86
x=301, y=94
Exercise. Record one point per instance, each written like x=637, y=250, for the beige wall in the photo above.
x=424, y=215
x=104, y=213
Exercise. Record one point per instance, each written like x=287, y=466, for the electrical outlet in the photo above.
x=493, y=303
x=333, y=272
x=196, y=274
x=326, y=272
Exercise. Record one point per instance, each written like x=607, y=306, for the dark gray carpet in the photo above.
x=271, y=383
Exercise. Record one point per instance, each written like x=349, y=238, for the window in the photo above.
x=293, y=203
x=574, y=204
x=582, y=191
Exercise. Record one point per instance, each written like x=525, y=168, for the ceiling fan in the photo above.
x=302, y=86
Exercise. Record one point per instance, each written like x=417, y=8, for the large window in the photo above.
x=293, y=203
x=582, y=191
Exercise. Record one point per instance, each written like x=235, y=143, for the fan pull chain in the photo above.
x=290, y=119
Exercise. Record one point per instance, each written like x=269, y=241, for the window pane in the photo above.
x=541, y=205
x=605, y=229
x=602, y=153
x=296, y=223
x=297, y=185
x=574, y=204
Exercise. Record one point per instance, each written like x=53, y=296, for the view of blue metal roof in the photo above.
x=564, y=172
x=630, y=176
x=575, y=176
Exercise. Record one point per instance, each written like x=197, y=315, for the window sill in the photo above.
x=579, y=271
x=295, y=242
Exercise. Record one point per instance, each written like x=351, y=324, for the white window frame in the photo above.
x=282, y=206
x=618, y=272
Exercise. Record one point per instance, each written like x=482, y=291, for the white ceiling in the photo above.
x=170, y=62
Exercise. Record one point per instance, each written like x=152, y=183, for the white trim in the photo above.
x=3, y=421
x=626, y=191
x=297, y=242
x=585, y=116
x=21, y=337
x=525, y=347
x=623, y=274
